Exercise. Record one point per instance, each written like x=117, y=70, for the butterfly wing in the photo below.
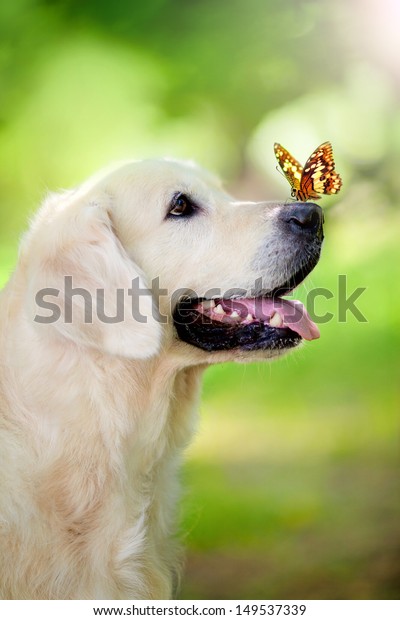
x=291, y=168
x=319, y=175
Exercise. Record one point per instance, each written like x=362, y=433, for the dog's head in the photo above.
x=177, y=261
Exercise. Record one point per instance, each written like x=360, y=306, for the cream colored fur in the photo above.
x=94, y=417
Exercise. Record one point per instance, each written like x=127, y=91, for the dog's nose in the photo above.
x=302, y=217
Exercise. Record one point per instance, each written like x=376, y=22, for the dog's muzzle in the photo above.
x=266, y=322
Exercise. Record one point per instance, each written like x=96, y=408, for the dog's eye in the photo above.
x=181, y=205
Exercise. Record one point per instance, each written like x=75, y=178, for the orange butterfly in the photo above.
x=317, y=177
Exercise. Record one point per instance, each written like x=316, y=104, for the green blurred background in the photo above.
x=291, y=487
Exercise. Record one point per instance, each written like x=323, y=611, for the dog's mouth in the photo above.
x=247, y=323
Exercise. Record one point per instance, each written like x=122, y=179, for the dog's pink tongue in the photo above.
x=293, y=313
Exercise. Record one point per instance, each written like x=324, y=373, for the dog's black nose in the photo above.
x=304, y=217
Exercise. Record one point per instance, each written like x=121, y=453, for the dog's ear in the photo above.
x=83, y=283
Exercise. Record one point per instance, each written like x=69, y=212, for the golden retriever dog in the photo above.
x=125, y=290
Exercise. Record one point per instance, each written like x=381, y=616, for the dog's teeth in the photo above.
x=235, y=314
x=249, y=317
x=276, y=320
x=219, y=309
x=208, y=304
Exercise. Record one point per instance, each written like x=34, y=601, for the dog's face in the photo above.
x=213, y=267
x=221, y=265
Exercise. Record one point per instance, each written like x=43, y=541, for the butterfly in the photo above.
x=317, y=177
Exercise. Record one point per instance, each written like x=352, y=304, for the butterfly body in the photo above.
x=317, y=177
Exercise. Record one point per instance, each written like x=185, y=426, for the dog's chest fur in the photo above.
x=102, y=482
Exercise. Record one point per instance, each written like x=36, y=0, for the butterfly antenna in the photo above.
x=280, y=171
